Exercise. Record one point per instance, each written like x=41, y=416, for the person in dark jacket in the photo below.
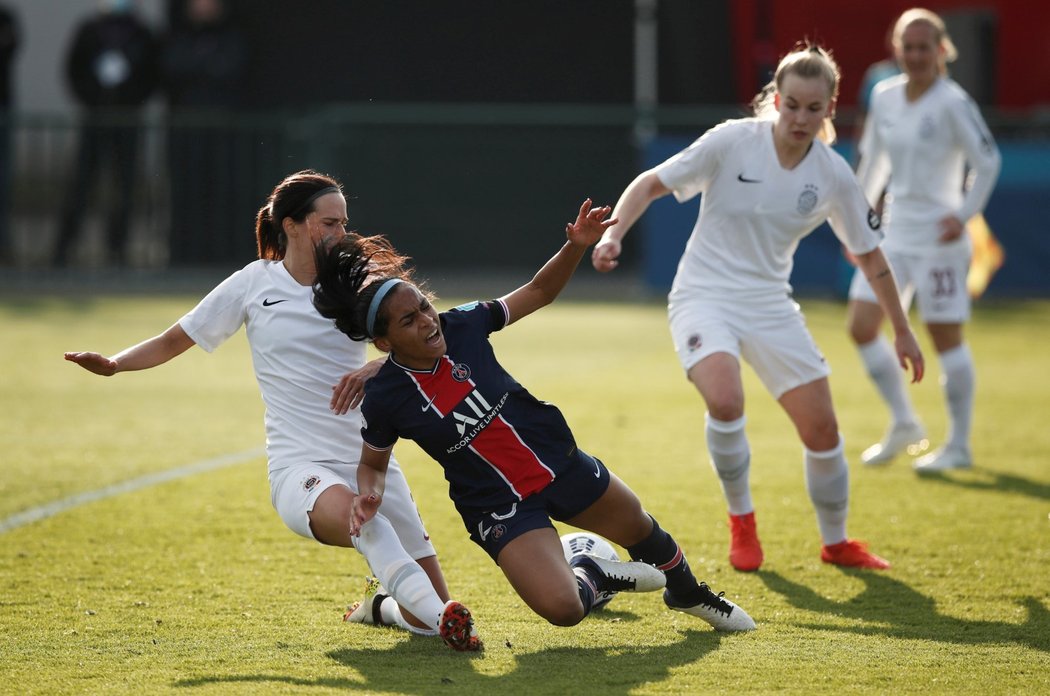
x=112, y=71
x=9, y=40
x=204, y=60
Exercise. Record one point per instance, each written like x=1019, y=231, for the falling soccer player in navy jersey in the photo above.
x=510, y=459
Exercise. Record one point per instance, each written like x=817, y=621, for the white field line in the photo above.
x=42, y=512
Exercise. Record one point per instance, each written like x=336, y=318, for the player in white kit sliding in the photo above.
x=922, y=131
x=311, y=376
x=767, y=182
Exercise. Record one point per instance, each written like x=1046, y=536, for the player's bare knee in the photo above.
x=863, y=334
x=726, y=409
x=822, y=436
x=560, y=604
x=566, y=612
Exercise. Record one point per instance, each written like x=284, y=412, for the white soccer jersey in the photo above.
x=922, y=148
x=311, y=356
x=754, y=212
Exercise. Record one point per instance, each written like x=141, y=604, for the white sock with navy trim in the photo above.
x=880, y=361
x=959, y=382
x=827, y=481
x=731, y=458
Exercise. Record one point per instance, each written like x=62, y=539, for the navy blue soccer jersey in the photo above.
x=496, y=442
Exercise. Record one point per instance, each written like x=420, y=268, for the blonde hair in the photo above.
x=807, y=61
x=918, y=15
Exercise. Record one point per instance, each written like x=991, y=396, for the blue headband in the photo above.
x=377, y=299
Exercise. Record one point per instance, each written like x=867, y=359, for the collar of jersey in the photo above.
x=406, y=368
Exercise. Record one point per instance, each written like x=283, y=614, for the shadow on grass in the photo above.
x=423, y=665
x=893, y=609
x=984, y=480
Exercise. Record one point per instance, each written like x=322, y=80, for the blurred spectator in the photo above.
x=112, y=71
x=9, y=38
x=203, y=64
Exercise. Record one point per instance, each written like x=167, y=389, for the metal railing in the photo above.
x=439, y=176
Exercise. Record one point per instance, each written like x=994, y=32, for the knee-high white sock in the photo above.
x=391, y=614
x=731, y=458
x=827, y=480
x=402, y=577
x=881, y=363
x=958, y=381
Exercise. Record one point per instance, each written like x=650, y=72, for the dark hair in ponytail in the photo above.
x=349, y=274
x=293, y=198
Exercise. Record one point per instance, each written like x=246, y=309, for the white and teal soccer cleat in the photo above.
x=368, y=609
x=910, y=437
x=944, y=459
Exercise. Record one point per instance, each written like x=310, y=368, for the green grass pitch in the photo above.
x=194, y=586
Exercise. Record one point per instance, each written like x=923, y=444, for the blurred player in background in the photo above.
x=767, y=182
x=312, y=433
x=922, y=131
x=511, y=461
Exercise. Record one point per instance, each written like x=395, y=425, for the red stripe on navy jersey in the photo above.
x=519, y=466
x=441, y=389
x=498, y=444
x=673, y=562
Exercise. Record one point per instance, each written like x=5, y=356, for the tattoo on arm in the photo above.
x=883, y=273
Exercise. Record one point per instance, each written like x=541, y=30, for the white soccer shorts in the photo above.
x=294, y=491
x=937, y=282
x=772, y=337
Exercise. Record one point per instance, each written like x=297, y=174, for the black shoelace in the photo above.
x=715, y=601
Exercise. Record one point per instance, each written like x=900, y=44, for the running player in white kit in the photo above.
x=313, y=438
x=767, y=182
x=922, y=131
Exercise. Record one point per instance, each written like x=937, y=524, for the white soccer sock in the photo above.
x=827, y=480
x=390, y=612
x=731, y=457
x=958, y=381
x=880, y=360
x=402, y=577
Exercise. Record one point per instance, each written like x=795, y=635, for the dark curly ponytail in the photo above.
x=349, y=274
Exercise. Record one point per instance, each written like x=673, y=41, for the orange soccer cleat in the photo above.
x=745, y=551
x=457, y=628
x=853, y=554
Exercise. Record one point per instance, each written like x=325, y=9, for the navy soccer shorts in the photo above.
x=570, y=493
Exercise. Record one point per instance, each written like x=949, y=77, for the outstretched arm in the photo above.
x=554, y=276
x=633, y=203
x=371, y=484
x=875, y=268
x=150, y=353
